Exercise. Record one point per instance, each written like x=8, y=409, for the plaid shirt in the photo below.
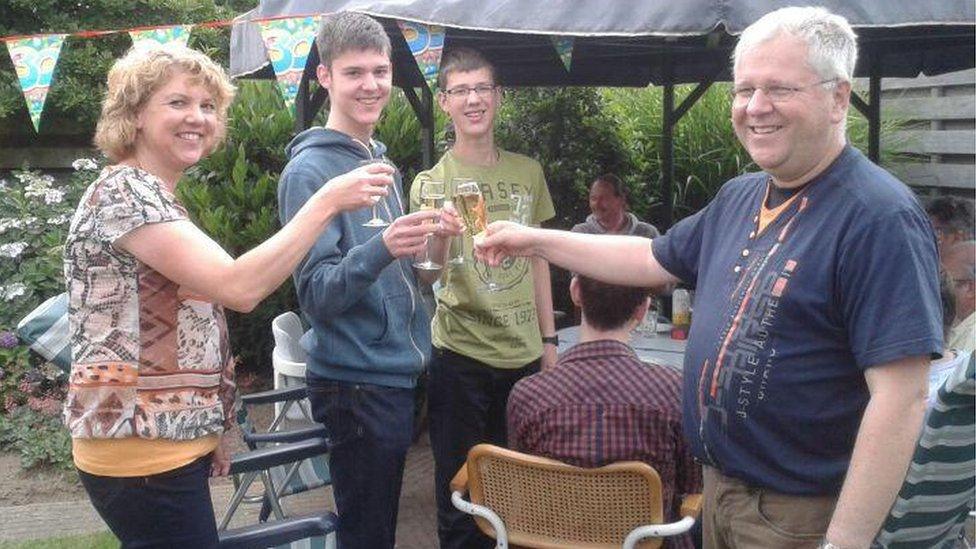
x=600, y=404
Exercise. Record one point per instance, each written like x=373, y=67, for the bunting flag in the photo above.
x=34, y=59
x=564, y=47
x=288, y=43
x=142, y=38
x=426, y=44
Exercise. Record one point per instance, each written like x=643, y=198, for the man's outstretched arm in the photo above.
x=614, y=259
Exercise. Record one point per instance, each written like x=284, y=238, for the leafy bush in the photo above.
x=706, y=152
x=569, y=133
x=36, y=211
x=39, y=437
x=79, y=79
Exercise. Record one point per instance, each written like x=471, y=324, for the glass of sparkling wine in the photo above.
x=375, y=220
x=458, y=257
x=431, y=198
x=470, y=203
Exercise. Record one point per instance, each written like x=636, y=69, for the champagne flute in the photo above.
x=431, y=198
x=458, y=257
x=470, y=203
x=376, y=220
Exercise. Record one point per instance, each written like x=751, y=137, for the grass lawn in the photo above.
x=104, y=540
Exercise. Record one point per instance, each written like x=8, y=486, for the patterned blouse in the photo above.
x=148, y=360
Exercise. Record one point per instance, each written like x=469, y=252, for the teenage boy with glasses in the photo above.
x=483, y=341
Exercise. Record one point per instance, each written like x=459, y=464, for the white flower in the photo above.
x=36, y=189
x=3, y=184
x=84, y=164
x=13, y=223
x=12, y=250
x=53, y=196
x=58, y=220
x=13, y=291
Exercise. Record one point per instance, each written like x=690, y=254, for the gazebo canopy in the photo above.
x=629, y=43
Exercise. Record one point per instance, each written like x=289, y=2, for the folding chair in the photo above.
x=288, y=359
x=298, y=444
x=531, y=501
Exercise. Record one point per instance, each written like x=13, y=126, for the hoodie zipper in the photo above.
x=403, y=274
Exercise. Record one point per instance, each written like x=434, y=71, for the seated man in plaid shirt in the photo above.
x=600, y=404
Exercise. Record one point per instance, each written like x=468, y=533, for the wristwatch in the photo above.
x=553, y=340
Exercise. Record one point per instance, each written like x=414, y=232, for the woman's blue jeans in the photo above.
x=171, y=509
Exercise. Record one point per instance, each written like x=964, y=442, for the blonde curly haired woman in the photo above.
x=152, y=380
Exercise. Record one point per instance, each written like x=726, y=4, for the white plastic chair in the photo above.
x=288, y=360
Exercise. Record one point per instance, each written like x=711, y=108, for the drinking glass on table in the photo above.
x=431, y=198
x=375, y=220
x=470, y=204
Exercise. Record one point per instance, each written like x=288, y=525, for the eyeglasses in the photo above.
x=776, y=94
x=461, y=92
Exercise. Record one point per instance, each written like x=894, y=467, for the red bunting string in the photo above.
x=206, y=24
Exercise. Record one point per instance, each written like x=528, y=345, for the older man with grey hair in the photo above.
x=817, y=309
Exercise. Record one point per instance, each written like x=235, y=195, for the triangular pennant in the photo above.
x=147, y=38
x=34, y=60
x=564, y=47
x=426, y=43
x=288, y=43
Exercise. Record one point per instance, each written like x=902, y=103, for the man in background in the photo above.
x=608, y=204
x=952, y=219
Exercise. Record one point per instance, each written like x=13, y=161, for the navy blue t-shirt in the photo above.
x=786, y=320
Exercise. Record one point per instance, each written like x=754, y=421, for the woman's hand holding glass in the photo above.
x=358, y=188
x=375, y=220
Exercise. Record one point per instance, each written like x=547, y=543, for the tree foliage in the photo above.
x=79, y=80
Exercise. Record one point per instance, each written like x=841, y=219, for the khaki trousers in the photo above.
x=736, y=515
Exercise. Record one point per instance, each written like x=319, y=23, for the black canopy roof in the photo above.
x=636, y=42
x=630, y=43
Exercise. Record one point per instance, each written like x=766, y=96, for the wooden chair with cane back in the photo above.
x=530, y=501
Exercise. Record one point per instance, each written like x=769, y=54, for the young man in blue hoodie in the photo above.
x=371, y=333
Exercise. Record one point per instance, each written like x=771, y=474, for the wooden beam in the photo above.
x=948, y=79
x=950, y=107
x=934, y=142
x=956, y=176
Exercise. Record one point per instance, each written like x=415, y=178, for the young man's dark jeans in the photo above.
x=170, y=509
x=466, y=404
x=370, y=429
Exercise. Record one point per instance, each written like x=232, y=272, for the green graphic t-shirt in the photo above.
x=498, y=328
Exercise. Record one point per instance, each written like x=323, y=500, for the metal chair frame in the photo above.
x=486, y=466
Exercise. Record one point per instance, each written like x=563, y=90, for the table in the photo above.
x=659, y=348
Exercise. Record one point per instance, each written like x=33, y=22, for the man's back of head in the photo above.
x=608, y=309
